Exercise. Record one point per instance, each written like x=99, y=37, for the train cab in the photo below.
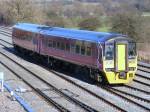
x=120, y=60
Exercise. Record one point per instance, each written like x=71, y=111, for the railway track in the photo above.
x=140, y=82
x=5, y=28
x=4, y=32
x=144, y=65
x=144, y=69
x=71, y=99
x=38, y=91
x=137, y=89
x=114, y=91
x=130, y=94
x=142, y=76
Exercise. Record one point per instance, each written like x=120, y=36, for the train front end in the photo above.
x=119, y=60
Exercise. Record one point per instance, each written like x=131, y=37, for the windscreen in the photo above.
x=109, y=51
x=131, y=50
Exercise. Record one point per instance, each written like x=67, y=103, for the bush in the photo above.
x=89, y=24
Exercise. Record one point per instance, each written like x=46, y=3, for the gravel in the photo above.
x=7, y=105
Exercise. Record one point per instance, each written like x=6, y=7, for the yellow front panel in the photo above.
x=121, y=57
x=113, y=78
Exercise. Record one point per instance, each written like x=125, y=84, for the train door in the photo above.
x=121, y=56
x=35, y=42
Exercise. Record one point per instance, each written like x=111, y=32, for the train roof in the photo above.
x=84, y=35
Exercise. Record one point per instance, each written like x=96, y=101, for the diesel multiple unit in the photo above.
x=107, y=57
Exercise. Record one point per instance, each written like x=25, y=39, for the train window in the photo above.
x=131, y=50
x=44, y=42
x=50, y=43
x=23, y=37
x=35, y=41
x=82, y=50
x=89, y=51
x=54, y=44
x=72, y=48
x=58, y=45
x=62, y=46
x=28, y=38
x=77, y=49
x=67, y=47
x=109, y=51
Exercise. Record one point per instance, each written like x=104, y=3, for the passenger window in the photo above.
x=58, y=45
x=89, y=51
x=29, y=38
x=67, y=47
x=50, y=43
x=62, y=46
x=54, y=44
x=23, y=37
x=77, y=49
x=82, y=50
x=73, y=48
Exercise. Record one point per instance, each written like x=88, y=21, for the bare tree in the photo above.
x=17, y=11
x=128, y=21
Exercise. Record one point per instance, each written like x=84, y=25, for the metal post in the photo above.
x=2, y=80
x=2, y=86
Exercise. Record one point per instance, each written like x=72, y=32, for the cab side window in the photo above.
x=88, y=51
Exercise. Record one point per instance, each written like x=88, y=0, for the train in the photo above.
x=105, y=56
